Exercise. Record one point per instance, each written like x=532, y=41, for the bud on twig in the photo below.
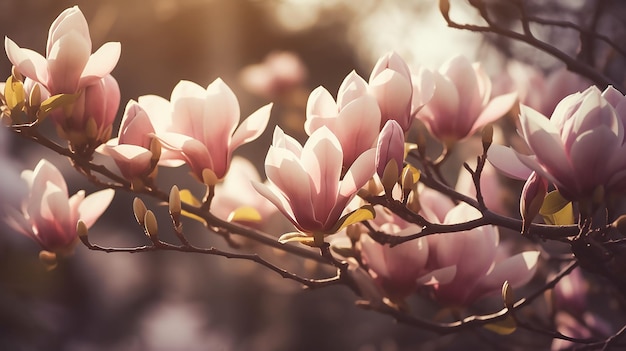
x=620, y=224
x=487, y=137
x=175, y=204
x=151, y=226
x=49, y=259
x=139, y=209
x=507, y=295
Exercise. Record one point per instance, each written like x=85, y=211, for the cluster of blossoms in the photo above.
x=356, y=141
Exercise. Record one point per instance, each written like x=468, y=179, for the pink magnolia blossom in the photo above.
x=49, y=215
x=475, y=255
x=390, y=83
x=579, y=148
x=399, y=270
x=131, y=149
x=200, y=126
x=237, y=192
x=88, y=122
x=279, y=73
x=354, y=119
x=69, y=64
x=462, y=101
x=305, y=182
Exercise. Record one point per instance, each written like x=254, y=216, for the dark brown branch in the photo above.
x=573, y=64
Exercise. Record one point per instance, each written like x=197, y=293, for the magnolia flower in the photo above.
x=305, y=182
x=69, y=64
x=462, y=101
x=200, y=127
x=399, y=270
x=236, y=199
x=49, y=216
x=390, y=83
x=131, y=150
x=354, y=119
x=475, y=255
x=277, y=74
x=578, y=149
x=88, y=121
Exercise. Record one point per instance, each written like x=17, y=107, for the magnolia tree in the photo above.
x=366, y=194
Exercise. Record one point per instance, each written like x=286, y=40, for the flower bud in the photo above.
x=390, y=146
x=151, y=226
x=533, y=193
x=139, y=209
x=174, y=203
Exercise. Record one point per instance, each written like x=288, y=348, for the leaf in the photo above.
x=55, y=102
x=361, y=214
x=296, y=237
x=187, y=197
x=245, y=214
x=556, y=210
x=503, y=327
x=14, y=93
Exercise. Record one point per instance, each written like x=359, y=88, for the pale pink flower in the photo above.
x=390, y=83
x=580, y=147
x=399, y=270
x=237, y=192
x=474, y=253
x=200, y=127
x=305, y=183
x=462, y=101
x=390, y=146
x=88, y=122
x=49, y=215
x=354, y=118
x=69, y=64
x=131, y=149
x=278, y=73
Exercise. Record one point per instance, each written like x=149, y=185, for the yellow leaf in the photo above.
x=503, y=327
x=54, y=102
x=297, y=237
x=245, y=214
x=361, y=214
x=14, y=93
x=408, y=147
x=556, y=210
x=187, y=197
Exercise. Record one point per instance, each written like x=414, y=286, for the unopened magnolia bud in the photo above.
x=413, y=203
x=353, y=232
x=487, y=137
x=139, y=209
x=533, y=194
x=208, y=177
x=174, y=202
x=49, y=259
x=81, y=229
x=507, y=295
x=151, y=226
x=410, y=177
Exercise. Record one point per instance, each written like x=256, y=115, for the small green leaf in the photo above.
x=361, y=214
x=187, y=197
x=503, y=327
x=245, y=214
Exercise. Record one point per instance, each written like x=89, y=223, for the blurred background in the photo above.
x=175, y=301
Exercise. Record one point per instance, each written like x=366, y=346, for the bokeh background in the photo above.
x=175, y=301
